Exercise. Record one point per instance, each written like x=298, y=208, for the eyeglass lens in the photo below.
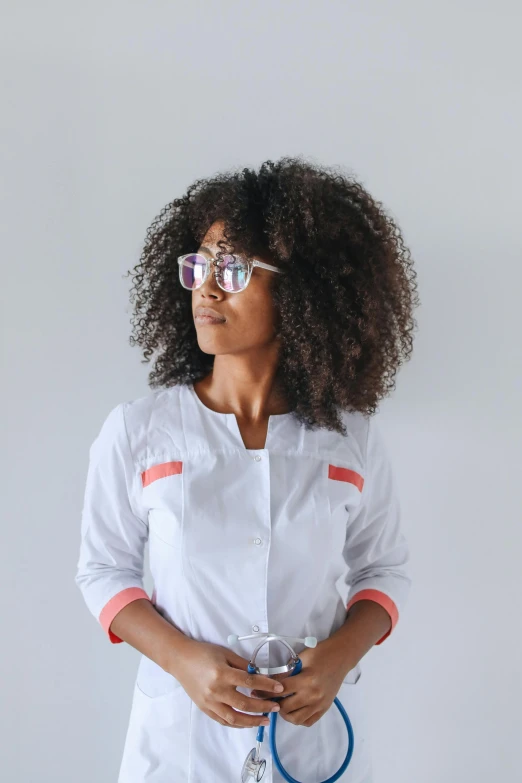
x=232, y=272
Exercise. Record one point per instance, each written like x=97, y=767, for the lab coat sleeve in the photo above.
x=376, y=550
x=114, y=528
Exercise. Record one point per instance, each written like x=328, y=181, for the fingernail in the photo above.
x=279, y=688
x=276, y=708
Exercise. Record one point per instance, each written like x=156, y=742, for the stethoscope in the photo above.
x=254, y=766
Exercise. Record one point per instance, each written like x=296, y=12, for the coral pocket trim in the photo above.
x=162, y=470
x=345, y=474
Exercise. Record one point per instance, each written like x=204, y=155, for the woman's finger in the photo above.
x=264, y=694
x=294, y=701
x=302, y=716
x=258, y=681
x=247, y=704
x=240, y=720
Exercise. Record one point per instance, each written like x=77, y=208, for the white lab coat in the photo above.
x=278, y=539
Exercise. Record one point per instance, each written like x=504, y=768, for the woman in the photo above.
x=278, y=305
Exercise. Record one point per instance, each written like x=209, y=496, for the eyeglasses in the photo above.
x=232, y=273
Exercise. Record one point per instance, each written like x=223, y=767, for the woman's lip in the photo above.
x=208, y=319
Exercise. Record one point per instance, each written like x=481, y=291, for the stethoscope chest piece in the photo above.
x=253, y=768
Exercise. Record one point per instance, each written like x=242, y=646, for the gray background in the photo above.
x=109, y=110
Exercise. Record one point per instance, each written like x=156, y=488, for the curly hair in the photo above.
x=345, y=307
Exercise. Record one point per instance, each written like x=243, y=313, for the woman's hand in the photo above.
x=309, y=694
x=210, y=673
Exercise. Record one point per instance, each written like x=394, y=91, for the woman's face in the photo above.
x=249, y=316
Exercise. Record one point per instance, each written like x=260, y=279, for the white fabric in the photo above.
x=239, y=540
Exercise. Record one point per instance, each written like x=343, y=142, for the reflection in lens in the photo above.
x=233, y=273
x=193, y=270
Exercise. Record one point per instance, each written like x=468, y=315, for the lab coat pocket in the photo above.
x=162, y=494
x=153, y=681
x=353, y=676
x=157, y=741
x=351, y=696
x=344, y=487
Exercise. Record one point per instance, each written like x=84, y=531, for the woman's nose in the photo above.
x=210, y=285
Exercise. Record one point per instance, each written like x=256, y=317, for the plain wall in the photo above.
x=109, y=111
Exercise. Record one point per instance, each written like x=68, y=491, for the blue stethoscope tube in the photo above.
x=272, y=740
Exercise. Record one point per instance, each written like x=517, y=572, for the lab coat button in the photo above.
x=255, y=628
x=257, y=457
x=257, y=541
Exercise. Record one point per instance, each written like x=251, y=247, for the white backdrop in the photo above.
x=109, y=111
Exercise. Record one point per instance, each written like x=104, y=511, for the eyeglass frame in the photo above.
x=250, y=262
